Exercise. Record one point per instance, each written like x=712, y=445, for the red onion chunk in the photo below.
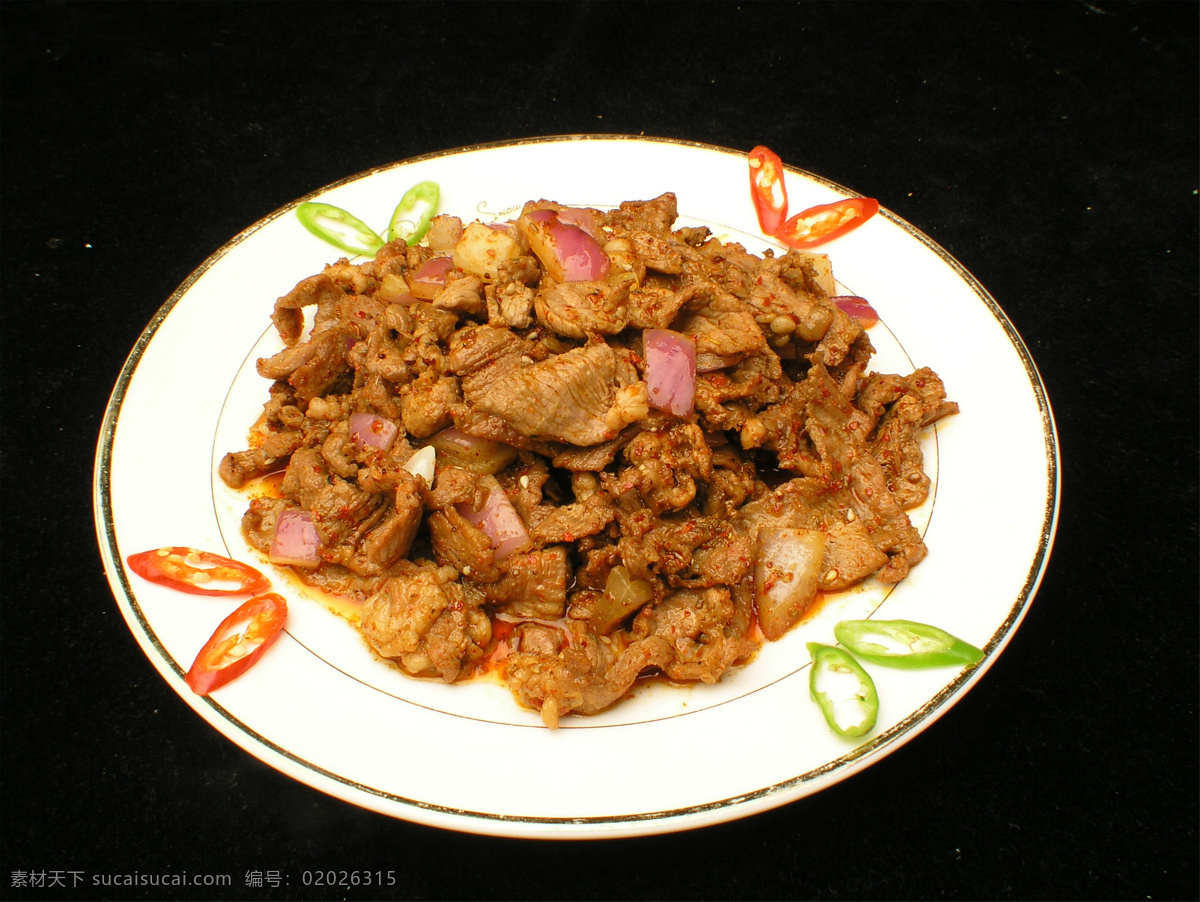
x=295, y=541
x=568, y=252
x=582, y=219
x=430, y=277
x=500, y=522
x=859, y=308
x=370, y=431
x=670, y=370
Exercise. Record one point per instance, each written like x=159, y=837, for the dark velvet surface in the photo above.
x=1051, y=148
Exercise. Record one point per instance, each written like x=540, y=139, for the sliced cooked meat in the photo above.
x=533, y=584
x=571, y=522
x=720, y=323
x=609, y=540
x=424, y=621
x=580, y=309
x=563, y=399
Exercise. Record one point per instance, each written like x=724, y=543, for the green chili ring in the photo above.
x=853, y=711
x=905, y=644
x=410, y=221
x=341, y=229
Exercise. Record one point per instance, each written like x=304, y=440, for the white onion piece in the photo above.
x=568, y=252
x=670, y=370
x=500, y=522
x=479, y=455
x=622, y=596
x=430, y=277
x=295, y=540
x=423, y=464
x=370, y=431
x=786, y=572
x=395, y=290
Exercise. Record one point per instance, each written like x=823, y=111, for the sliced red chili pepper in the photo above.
x=822, y=223
x=768, y=190
x=197, y=572
x=238, y=643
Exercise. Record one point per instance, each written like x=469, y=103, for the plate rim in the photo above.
x=534, y=826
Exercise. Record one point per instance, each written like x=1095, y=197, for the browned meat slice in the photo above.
x=386, y=352
x=875, y=393
x=784, y=312
x=463, y=295
x=288, y=316
x=584, y=678
x=392, y=538
x=727, y=265
x=454, y=485
x=580, y=309
x=665, y=549
x=726, y=399
x=704, y=629
x=533, y=584
x=657, y=215
x=725, y=560
x=239, y=467
x=844, y=335
x=338, y=452
x=654, y=307
x=782, y=427
x=474, y=347
x=571, y=522
x=324, y=369
x=594, y=458
x=426, y=623
x=837, y=433
x=341, y=512
x=659, y=252
x=850, y=556
x=426, y=404
x=258, y=523
x=285, y=362
x=896, y=443
x=664, y=466
x=354, y=313
x=462, y=545
x=306, y=477
x=719, y=323
x=734, y=479
x=475, y=422
x=806, y=272
x=565, y=398
x=383, y=473
x=509, y=296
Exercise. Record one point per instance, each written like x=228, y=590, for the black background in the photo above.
x=1051, y=148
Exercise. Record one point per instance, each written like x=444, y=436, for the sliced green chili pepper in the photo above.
x=844, y=691
x=903, y=643
x=341, y=229
x=410, y=221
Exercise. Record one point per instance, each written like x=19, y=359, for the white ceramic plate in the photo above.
x=321, y=708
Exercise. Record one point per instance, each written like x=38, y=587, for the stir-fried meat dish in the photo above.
x=582, y=447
